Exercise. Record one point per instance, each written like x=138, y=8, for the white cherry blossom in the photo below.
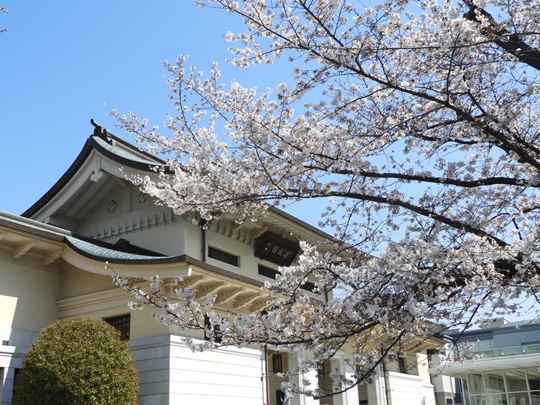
x=417, y=123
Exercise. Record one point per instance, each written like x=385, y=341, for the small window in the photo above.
x=308, y=286
x=267, y=272
x=277, y=363
x=121, y=323
x=222, y=256
x=271, y=273
x=402, y=365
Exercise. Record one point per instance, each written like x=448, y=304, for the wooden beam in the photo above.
x=207, y=288
x=52, y=256
x=228, y=293
x=23, y=247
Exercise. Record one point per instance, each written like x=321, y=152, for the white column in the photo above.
x=349, y=397
x=310, y=376
x=337, y=365
x=377, y=389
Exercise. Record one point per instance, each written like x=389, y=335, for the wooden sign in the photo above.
x=276, y=249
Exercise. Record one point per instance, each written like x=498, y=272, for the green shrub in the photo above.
x=77, y=362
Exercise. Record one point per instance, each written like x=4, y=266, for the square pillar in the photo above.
x=310, y=376
x=377, y=389
x=349, y=397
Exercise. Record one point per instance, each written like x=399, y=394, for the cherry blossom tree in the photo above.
x=416, y=120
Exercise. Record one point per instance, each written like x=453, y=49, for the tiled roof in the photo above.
x=26, y=224
x=122, y=152
x=94, y=250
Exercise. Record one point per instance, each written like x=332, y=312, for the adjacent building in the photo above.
x=502, y=366
x=52, y=265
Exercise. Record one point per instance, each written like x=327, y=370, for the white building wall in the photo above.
x=406, y=389
x=15, y=343
x=301, y=380
x=225, y=376
x=151, y=356
x=170, y=373
x=349, y=397
x=28, y=294
x=377, y=390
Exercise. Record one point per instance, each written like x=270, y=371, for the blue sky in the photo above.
x=61, y=61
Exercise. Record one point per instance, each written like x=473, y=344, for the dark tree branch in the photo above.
x=511, y=43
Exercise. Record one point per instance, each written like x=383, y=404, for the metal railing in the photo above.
x=507, y=351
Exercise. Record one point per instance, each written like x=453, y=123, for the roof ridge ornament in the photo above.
x=101, y=131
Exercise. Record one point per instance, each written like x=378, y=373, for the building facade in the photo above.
x=52, y=265
x=502, y=366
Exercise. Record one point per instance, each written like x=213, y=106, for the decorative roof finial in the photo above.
x=98, y=129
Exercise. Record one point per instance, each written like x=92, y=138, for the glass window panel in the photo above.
x=535, y=397
x=496, y=399
x=458, y=391
x=484, y=345
x=476, y=386
x=534, y=380
x=516, y=381
x=478, y=400
x=518, y=398
x=465, y=387
x=494, y=383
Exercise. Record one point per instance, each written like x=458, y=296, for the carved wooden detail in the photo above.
x=190, y=281
x=97, y=173
x=135, y=225
x=22, y=248
x=51, y=256
x=227, y=293
x=204, y=289
x=240, y=232
x=259, y=304
x=245, y=299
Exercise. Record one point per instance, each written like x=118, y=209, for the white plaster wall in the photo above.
x=152, y=359
x=225, y=376
x=168, y=240
x=248, y=262
x=143, y=224
x=11, y=356
x=78, y=282
x=28, y=293
x=422, y=367
x=406, y=389
x=170, y=373
x=443, y=385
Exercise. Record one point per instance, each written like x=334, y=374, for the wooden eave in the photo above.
x=22, y=239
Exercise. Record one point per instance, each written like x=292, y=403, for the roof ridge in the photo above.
x=103, y=133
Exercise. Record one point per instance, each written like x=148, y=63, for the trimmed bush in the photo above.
x=77, y=362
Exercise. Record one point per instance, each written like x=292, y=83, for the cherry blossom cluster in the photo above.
x=416, y=120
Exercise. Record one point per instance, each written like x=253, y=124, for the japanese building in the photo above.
x=52, y=265
x=502, y=366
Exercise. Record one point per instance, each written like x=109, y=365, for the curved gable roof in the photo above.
x=75, y=184
x=107, y=145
